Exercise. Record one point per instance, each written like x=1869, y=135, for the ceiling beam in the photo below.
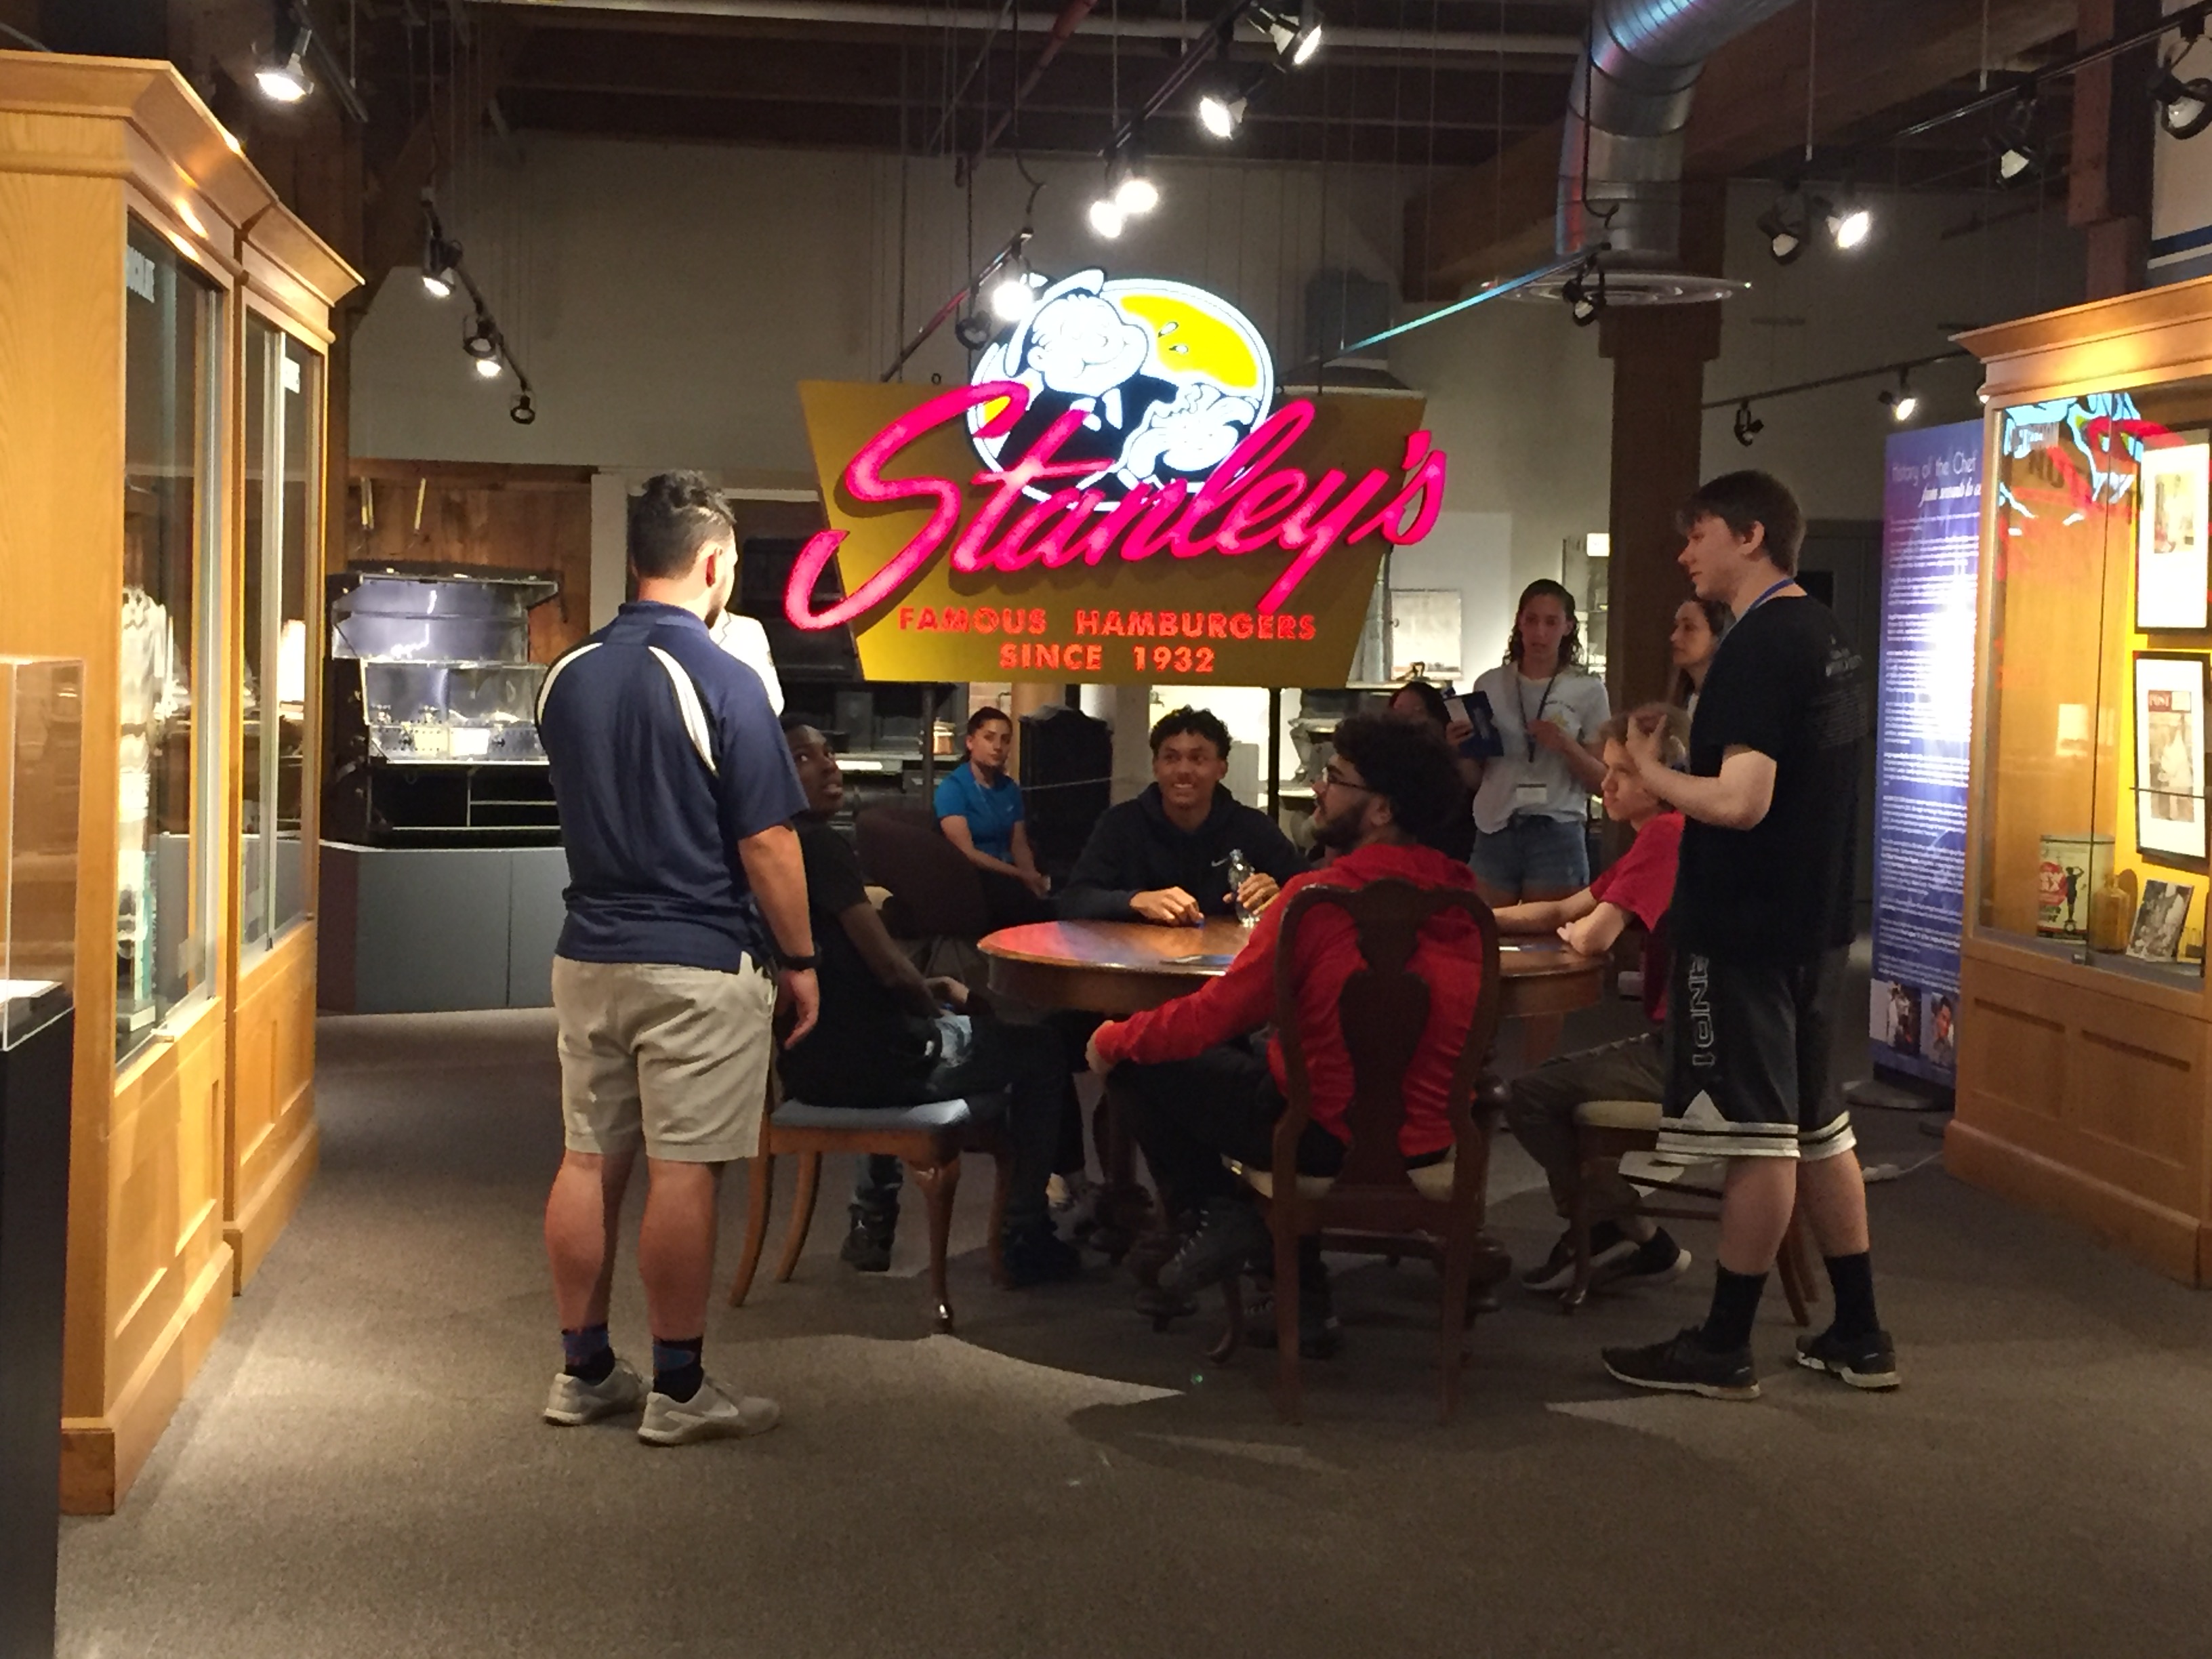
x=1750, y=107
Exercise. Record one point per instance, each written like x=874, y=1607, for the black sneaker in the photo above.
x=1867, y=1362
x=1320, y=1334
x=867, y=1247
x=1657, y=1260
x=1038, y=1255
x=1685, y=1365
x=1233, y=1234
x=1609, y=1244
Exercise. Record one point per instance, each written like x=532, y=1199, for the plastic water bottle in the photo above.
x=1240, y=871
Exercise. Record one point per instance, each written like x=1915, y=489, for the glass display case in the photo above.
x=283, y=398
x=41, y=738
x=430, y=700
x=2093, y=823
x=172, y=549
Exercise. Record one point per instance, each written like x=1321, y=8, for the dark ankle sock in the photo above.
x=1851, y=1278
x=588, y=1355
x=1735, y=1304
x=1659, y=1250
x=677, y=1371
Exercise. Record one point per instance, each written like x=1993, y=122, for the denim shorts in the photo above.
x=1534, y=854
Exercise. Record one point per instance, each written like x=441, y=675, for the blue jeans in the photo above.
x=1534, y=854
x=1018, y=1070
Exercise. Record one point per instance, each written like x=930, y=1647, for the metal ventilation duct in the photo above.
x=1620, y=166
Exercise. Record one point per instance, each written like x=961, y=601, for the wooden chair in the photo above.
x=1384, y=1010
x=1607, y=1131
x=928, y=1138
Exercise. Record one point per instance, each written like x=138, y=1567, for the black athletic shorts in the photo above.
x=1750, y=1058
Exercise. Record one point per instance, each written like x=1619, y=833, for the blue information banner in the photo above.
x=1931, y=548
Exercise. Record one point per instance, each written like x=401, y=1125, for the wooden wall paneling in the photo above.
x=276, y=1141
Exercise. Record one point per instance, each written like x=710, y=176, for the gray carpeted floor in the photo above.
x=359, y=1470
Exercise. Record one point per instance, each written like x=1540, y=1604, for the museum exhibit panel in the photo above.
x=2083, y=1037
x=169, y=316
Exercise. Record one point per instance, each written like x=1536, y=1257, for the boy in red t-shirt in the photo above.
x=1624, y=1246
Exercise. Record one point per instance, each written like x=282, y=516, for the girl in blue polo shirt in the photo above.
x=980, y=809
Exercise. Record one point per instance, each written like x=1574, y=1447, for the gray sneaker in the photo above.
x=713, y=1413
x=575, y=1402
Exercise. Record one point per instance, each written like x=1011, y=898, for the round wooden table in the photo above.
x=1120, y=968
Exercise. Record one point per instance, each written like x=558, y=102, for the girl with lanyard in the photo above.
x=1532, y=802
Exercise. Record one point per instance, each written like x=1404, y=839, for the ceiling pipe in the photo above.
x=1620, y=163
x=883, y=13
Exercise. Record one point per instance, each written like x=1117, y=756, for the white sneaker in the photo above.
x=713, y=1413
x=575, y=1402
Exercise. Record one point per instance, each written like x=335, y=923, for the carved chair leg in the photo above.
x=1288, y=1387
x=1459, y=1263
x=761, y=1192
x=938, y=1183
x=802, y=1215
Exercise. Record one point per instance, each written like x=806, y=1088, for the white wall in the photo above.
x=1934, y=264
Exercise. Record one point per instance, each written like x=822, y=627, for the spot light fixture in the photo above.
x=2018, y=155
x=1221, y=111
x=2184, y=107
x=482, y=341
x=1013, y=296
x=1784, y=227
x=440, y=254
x=282, y=75
x=1107, y=217
x=1850, y=222
x=1134, y=192
x=1297, y=38
x=1747, y=426
x=1585, y=299
x=523, y=411
x=1904, y=402
x=490, y=368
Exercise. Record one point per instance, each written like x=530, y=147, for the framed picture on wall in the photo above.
x=2169, y=710
x=2172, y=574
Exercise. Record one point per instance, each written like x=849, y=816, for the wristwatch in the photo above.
x=804, y=964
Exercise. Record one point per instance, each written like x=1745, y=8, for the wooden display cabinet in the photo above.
x=144, y=267
x=2084, y=1071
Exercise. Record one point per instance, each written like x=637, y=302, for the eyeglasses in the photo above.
x=1327, y=778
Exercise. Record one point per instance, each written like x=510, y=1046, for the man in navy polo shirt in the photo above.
x=685, y=882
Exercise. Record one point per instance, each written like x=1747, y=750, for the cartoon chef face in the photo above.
x=1082, y=345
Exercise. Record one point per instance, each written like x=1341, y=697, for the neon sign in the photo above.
x=1142, y=509
x=1247, y=503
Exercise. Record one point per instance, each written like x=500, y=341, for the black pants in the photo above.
x=1188, y=1114
x=1022, y=1062
x=1008, y=901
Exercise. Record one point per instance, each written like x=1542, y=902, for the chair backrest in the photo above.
x=935, y=891
x=1384, y=1014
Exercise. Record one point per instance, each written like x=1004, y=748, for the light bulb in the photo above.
x=1136, y=194
x=1907, y=406
x=1851, y=227
x=1106, y=217
x=1307, y=47
x=436, y=283
x=1219, y=115
x=282, y=81
x=1012, y=299
x=489, y=367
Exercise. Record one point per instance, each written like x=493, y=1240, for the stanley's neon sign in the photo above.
x=1247, y=504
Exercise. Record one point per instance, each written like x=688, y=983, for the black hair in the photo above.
x=1430, y=699
x=1203, y=721
x=1743, y=500
x=1409, y=765
x=792, y=723
x=677, y=515
x=985, y=715
x=1719, y=618
x=1571, y=642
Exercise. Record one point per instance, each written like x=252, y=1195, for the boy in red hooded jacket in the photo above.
x=1202, y=1090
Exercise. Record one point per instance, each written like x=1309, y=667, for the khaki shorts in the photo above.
x=676, y=1058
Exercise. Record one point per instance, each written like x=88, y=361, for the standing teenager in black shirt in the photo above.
x=1761, y=924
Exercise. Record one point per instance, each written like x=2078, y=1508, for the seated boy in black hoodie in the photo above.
x=1164, y=857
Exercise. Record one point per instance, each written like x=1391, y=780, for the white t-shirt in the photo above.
x=744, y=638
x=1577, y=703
